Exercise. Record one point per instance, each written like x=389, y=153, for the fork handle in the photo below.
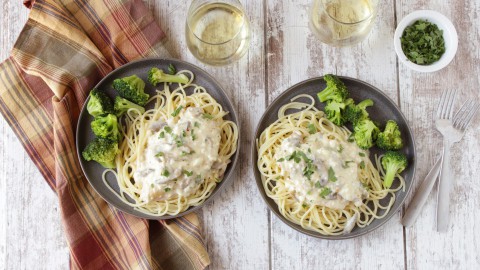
x=444, y=185
x=421, y=196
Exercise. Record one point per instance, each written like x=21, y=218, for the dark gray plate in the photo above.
x=93, y=171
x=383, y=110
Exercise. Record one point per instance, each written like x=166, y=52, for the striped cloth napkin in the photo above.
x=65, y=48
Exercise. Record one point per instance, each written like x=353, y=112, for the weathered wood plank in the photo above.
x=419, y=95
x=30, y=226
x=295, y=54
x=236, y=220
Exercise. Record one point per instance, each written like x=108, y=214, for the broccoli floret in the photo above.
x=355, y=113
x=106, y=127
x=391, y=137
x=132, y=88
x=393, y=162
x=156, y=75
x=123, y=105
x=334, y=110
x=365, y=133
x=102, y=151
x=99, y=103
x=335, y=90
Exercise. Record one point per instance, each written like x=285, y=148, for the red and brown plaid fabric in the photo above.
x=65, y=48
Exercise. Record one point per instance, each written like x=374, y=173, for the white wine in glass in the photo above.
x=342, y=22
x=217, y=32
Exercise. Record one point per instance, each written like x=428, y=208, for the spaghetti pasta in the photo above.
x=301, y=160
x=166, y=162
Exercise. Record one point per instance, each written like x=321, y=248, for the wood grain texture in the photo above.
x=236, y=220
x=31, y=235
x=295, y=54
x=240, y=232
x=419, y=95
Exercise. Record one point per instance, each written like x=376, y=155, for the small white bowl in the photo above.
x=449, y=35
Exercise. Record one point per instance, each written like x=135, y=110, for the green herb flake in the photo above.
x=304, y=206
x=168, y=129
x=161, y=135
x=196, y=124
x=194, y=137
x=351, y=138
x=361, y=154
x=362, y=165
x=311, y=129
x=207, y=116
x=345, y=165
x=281, y=160
x=331, y=175
x=166, y=173
x=172, y=70
x=325, y=192
x=422, y=42
x=187, y=153
x=184, y=134
x=187, y=173
x=318, y=185
x=309, y=170
x=177, y=111
x=340, y=149
x=167, y=189
x=159, y=154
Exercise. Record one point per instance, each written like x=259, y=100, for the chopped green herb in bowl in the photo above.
x=423, y=43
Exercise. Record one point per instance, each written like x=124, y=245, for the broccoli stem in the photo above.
x=389, y=176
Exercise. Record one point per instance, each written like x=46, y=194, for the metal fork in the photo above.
x=461, y=120
x=452, y=132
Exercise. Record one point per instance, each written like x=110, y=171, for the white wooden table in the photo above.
x=240, y=232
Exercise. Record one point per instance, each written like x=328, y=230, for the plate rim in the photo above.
x=218, y=188
x=297, y=227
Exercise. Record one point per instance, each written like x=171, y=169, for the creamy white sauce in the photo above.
x=179, y=154
x=322, y=171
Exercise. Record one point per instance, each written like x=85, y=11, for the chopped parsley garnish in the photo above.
x=207, y=116
x=171, y=69
x=177, y=111
x=159, y=154
x=318, y=185
x=184, y=134
x=178, y=141
x=331, y=175
x=304, y=206
x=362, y=165
x=168, y=129
x=351, y=138
x=187, y=173
x=161, y=135
x=187, y=153
x=325, y=192
x=422, y=42
x=366, y=186
x=281, y=160
x=311, y=128
x=340, y=149
x=196, y=124
x=165, y=173
x=194, y=137
x=345, y=165
x=295, y=156
x=167, y=189
x=361, y=154
x=309, y=170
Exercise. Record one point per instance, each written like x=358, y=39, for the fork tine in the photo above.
x=451, y=101
x=441, y=103
x=469, y=117
x=447, y=104
x=462, y=113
